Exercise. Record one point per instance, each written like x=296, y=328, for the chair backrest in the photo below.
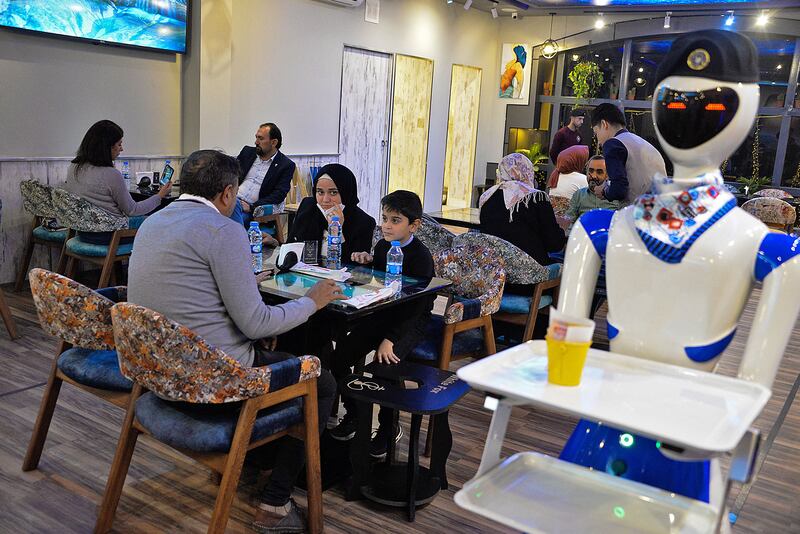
x=560, y=204
x=773, y=212
x=520, y=267
x=71, y=311
x=173, y=362
x=433, y=235
x=772, y=193
x=37, y=199
x=476, y=272
x=81, y=215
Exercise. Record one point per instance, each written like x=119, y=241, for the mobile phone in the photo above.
x=166, y=175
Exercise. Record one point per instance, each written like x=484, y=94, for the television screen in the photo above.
x=159, y=24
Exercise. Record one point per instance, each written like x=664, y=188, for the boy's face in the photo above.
x=396, y=226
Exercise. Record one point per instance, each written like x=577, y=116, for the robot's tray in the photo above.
x=535, y=493
x=700, y=411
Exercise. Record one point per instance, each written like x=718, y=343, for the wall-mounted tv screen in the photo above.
x=157, y=24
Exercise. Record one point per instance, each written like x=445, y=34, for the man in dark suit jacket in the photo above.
x=266, y=173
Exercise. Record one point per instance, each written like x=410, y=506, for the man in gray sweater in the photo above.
x=191, y=262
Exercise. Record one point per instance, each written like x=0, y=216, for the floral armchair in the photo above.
x=37, y=200
x=210, y=424
x=772, y=193
x=774, y=212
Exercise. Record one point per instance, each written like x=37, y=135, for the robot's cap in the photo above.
x=716, y=54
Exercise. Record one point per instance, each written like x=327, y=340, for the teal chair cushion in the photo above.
x=268, y=228
x=94, y=368
x=136, y=221
x=58, y=236
x=76, y=246
x=522, y=304
x=209, y=427
x=466, y=342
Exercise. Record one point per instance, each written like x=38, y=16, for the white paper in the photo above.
x=339, y=275
x=569, y=327
x=373, y=297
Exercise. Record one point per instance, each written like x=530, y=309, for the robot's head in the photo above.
x=707, y=97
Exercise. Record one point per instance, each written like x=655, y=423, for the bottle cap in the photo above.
x=254, y=224
x=395, y=243
x=335, y=218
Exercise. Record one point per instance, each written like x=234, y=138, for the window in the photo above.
x=774, y=63
x=755, y=157
x=607, y=56
x=645, y=59
x=791, y=165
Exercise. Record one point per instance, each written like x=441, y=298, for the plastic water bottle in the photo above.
x=254, y=234
x=126, y=174
x=335, y=244
x=394, y=264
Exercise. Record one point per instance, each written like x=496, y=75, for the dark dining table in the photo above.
x=143, y=193
x=463, y=217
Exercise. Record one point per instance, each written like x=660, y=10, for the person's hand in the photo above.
x=324, y=292
x=335, y=211
x=385, y=353
x=245, y=206
x=269, y=241
x=598, y=191
x=361, y=257
x=268, y=343
x=165, y=189
x=263, y=275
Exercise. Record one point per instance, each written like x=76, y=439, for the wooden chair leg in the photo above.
x=62, y=260
x=105, y=273
x=533, y=313
x=46, y=408
x=26, y=262
x=119, y=467
x=8, y=319
x=488, y=335
x=313, y=467
x=233, y=468
x=69, y=270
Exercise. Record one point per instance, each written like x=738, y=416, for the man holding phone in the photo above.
x=266, y=172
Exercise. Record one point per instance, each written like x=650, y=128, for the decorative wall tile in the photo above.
x=462, y=135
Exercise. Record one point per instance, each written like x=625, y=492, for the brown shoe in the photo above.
x=268, y=522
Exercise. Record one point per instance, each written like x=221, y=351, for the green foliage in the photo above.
x=754, y=184
x=586, y=78
x=535, y=153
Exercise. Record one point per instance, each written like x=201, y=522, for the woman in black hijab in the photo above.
x=335, y=194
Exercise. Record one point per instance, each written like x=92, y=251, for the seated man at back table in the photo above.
x=266, y=173
x=584, y=199
x=192, y=263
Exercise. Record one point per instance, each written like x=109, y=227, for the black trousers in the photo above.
x=290, y=454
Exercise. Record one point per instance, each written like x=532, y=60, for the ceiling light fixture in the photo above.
x=467, y=5
x=599, y=24
x=666, y=20
x=494, y=10
x=729, y=21
x=762, y=19
x=550, y=47
x=449, y=1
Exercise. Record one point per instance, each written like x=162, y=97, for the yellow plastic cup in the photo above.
x=565, y=361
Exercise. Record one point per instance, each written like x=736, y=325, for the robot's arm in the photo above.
x=586, y=249
x=778, y=266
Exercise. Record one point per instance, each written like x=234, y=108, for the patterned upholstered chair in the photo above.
x=168, y=362
x=80, y=215
x=772, y=193
x=433, y=235
x=5, y=312
x=560, y=205
x=81, y=319
x=520, y=269
x=774, y=212
x=37, y=200
x=466, y=329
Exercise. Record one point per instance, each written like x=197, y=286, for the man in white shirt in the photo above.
x=267, y=174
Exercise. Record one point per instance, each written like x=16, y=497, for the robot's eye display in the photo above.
x=687, y=119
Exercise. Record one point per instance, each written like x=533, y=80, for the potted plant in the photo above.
x=751, y=185
x=586, y=78
x=538, y=157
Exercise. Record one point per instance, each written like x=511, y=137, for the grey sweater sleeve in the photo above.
x=123, y=199
x=229, y=259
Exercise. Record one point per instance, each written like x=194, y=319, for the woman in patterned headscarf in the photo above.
x=519, y=213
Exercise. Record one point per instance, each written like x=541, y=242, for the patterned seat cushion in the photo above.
x=94, y=368
x=771, y=211
x=76, y=246
x=209, y=428
x=772, y=193
x=40, y=232
x=463, y=343
x=522, y=304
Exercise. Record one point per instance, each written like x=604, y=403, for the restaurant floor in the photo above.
x=166, y=492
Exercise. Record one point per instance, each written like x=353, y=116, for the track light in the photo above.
x=599, y=24
x=467, y=4
x=762, y=19
x=666, y=19
x=494, y=11
x=729, y=21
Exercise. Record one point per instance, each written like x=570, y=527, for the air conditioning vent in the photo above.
x=343, y=3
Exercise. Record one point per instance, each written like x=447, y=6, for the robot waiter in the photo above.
x=681, y=260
